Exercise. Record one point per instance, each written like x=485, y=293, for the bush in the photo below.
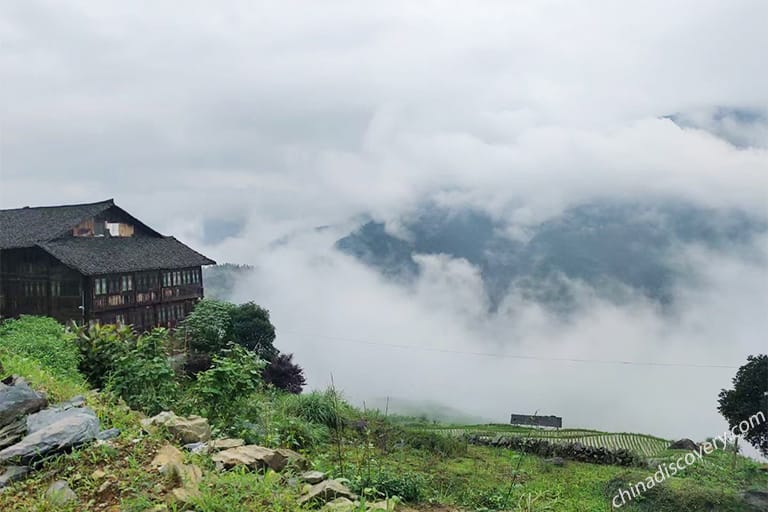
x=43, y=340
x=322, y=408
x=101, y=346
x=233, y=376
x=385, y=483
x=209, y=327
x=284, y=374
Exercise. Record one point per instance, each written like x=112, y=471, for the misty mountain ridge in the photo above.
x=617, y=248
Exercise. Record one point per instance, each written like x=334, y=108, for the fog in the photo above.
x=277, y=118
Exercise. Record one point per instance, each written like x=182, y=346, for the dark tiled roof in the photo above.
x=24, y=227
x=107, y=255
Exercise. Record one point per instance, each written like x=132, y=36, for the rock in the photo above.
x=384, y=505
x=341, y=505
x=12, y=432
x=167, y=460
x=758, y=500
x=293, y=459
x=98, y=474
x=18, y=400
x=251, y=456
x=312, y=477
x=326, y=491
x=196, y=447
x=59, y=494
x=106, y=435
x=683, y=444
x=60, y=431
x=11, y=474
x=185, y=495
x=192, y=429
x=225, y=444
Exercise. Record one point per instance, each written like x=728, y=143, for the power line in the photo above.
x=512, y=356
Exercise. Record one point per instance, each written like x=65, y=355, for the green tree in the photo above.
x=747, y=398
x=252, y=329
x=209, y=327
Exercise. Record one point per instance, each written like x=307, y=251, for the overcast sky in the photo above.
x=276, y=117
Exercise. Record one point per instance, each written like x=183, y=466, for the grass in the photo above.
x=426, y=464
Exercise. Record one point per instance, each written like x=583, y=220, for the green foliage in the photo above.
x=101, y=346
x=748, y=397
x=219, y=391
x=296, y=433
x=209, y=327
x=376, y=484
x=143, y=376
x=44, y=341
x=252, y=329
x=323, y=408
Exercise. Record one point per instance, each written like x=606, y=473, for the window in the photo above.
x=55, y=288
x=100, y=286
x=126, y=283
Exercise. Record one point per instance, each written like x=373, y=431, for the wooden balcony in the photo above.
x=186, y=291
x=113, y=301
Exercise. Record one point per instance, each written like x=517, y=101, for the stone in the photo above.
x=10, y=474
x=59, y=493
x=98, y=474
x=326, y=491
x=191, y=429
x=225, y=444
x=18, y=400
x=341, y=505
x=185, y=495
x=758, y=500
x=383, y=505
x=106, y=435
x=312, y=477
x=683, y=444
x=251, y=456
x=292, y=459
x=196, y=447
x=168, y=459
x=54, y=433
x=12, y=432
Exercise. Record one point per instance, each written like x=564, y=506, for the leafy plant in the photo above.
x=101, y=346
x=143, y=376
x=209, y=327
x=408, y=486
x=284, y=374
x=233, y=376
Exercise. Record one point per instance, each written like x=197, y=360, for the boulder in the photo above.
x=251, y=456
x=326, y=491
x=59, y=494
x=291, y=459
x=191, y=429
x=12, y=432
x=312, y=477
x=11, y=474
x=59, y=432
x=683, y=444
x=758, y=500
x=106, y=435
x=224, y=444
x=167, y=459
x=18, y=400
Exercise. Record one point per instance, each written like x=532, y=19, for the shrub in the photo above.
x=209, y=327
x=323, y=408
x=284, y=374
x=385, y=483
x=101, y=346
x=296, y=433
x=252, y=329
x=143, y=376
x=44, y=341
x=233, y=376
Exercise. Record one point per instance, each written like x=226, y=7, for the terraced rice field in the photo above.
x=644, y=445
